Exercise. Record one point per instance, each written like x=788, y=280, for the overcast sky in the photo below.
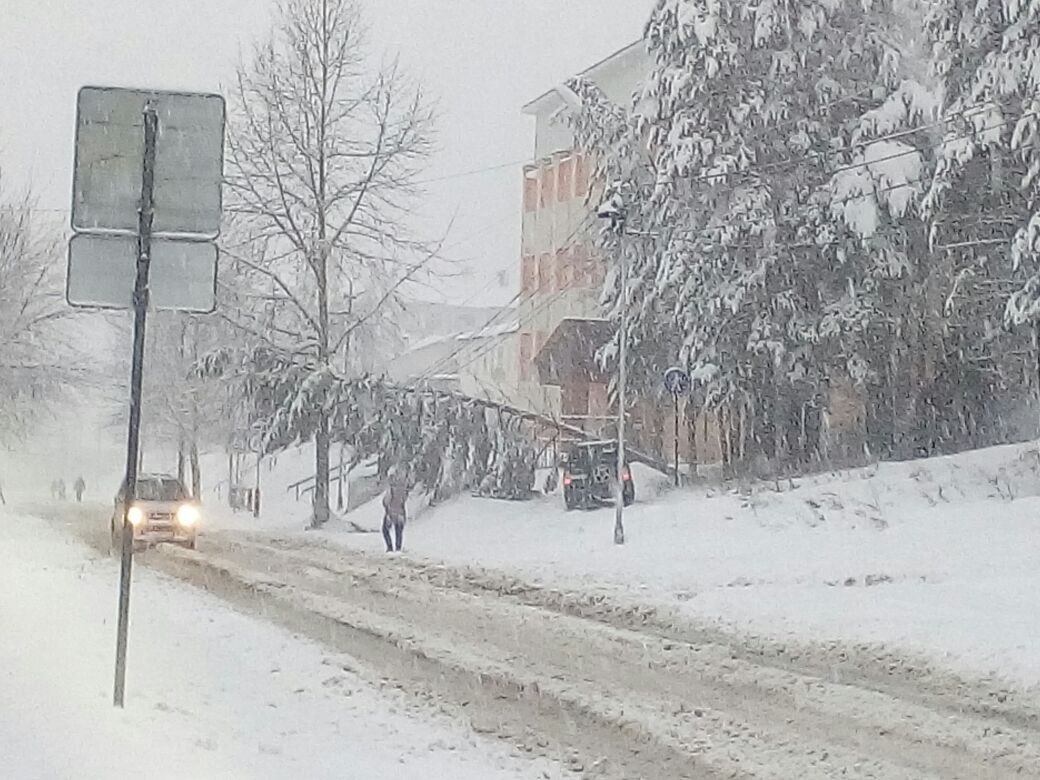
x=483, y=59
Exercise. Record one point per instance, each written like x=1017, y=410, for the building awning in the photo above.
x=569, y=354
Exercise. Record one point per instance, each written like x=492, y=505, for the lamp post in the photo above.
x=613, y=210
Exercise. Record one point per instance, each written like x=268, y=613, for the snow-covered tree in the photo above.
x=324, y=149
x=731, y=153
x=36, y=360
x=965, y=107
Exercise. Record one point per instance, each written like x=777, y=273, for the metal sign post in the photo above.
x=144, y=249
x=146, y=205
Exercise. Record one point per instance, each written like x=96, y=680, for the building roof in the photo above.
x=466, y=335
x=550, y=100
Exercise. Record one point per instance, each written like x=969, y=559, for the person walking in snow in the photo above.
x=395, y=512
x=79, y=488
x=61, y=489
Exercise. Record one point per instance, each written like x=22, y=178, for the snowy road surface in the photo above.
x=211, y=693
x=615, y=691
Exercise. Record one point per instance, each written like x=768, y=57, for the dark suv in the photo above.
x=590, y=475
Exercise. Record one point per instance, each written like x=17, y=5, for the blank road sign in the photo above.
x=189, y=161
x=102, y=270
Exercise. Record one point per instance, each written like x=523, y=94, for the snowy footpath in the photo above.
x=211, y=693
x=936, y=559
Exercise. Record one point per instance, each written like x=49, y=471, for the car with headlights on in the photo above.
x=163, y=511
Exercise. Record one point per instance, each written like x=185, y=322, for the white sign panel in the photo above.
x=102, y=270
x=189, y=161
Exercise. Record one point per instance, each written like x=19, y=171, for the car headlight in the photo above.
x=188, y=515
x=135, y=516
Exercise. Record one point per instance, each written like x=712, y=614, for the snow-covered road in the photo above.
x=212, y=693
x=612, y=691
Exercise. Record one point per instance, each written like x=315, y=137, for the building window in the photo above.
x=525, y=347
x=526, y=353
x=575, y=399
x=545, y=279
x=530, y=190
x=579, y=266
x=597, y=273
x=529, y=273
x=563, y=269
x=581, y=176
x=548, y=178
x=565, y=179
x=599, y=402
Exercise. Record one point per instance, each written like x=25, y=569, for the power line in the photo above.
x=472, y=172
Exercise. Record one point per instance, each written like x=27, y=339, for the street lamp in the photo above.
x=613, y=209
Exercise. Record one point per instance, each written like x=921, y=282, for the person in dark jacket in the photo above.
x=395, y=513
x=79, y=488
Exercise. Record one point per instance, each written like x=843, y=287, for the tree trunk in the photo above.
x=196, y=473
x=322, y=438
x=726, y=440
x=694, y=455
x=181, y=465
x=743, y=433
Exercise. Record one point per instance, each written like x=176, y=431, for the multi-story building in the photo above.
x=559, y=314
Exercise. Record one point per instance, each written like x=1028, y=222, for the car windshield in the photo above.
x=160, y=490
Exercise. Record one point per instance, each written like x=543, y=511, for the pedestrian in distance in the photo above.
x=395, y=512
x=61, y=490
x=79, y=489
